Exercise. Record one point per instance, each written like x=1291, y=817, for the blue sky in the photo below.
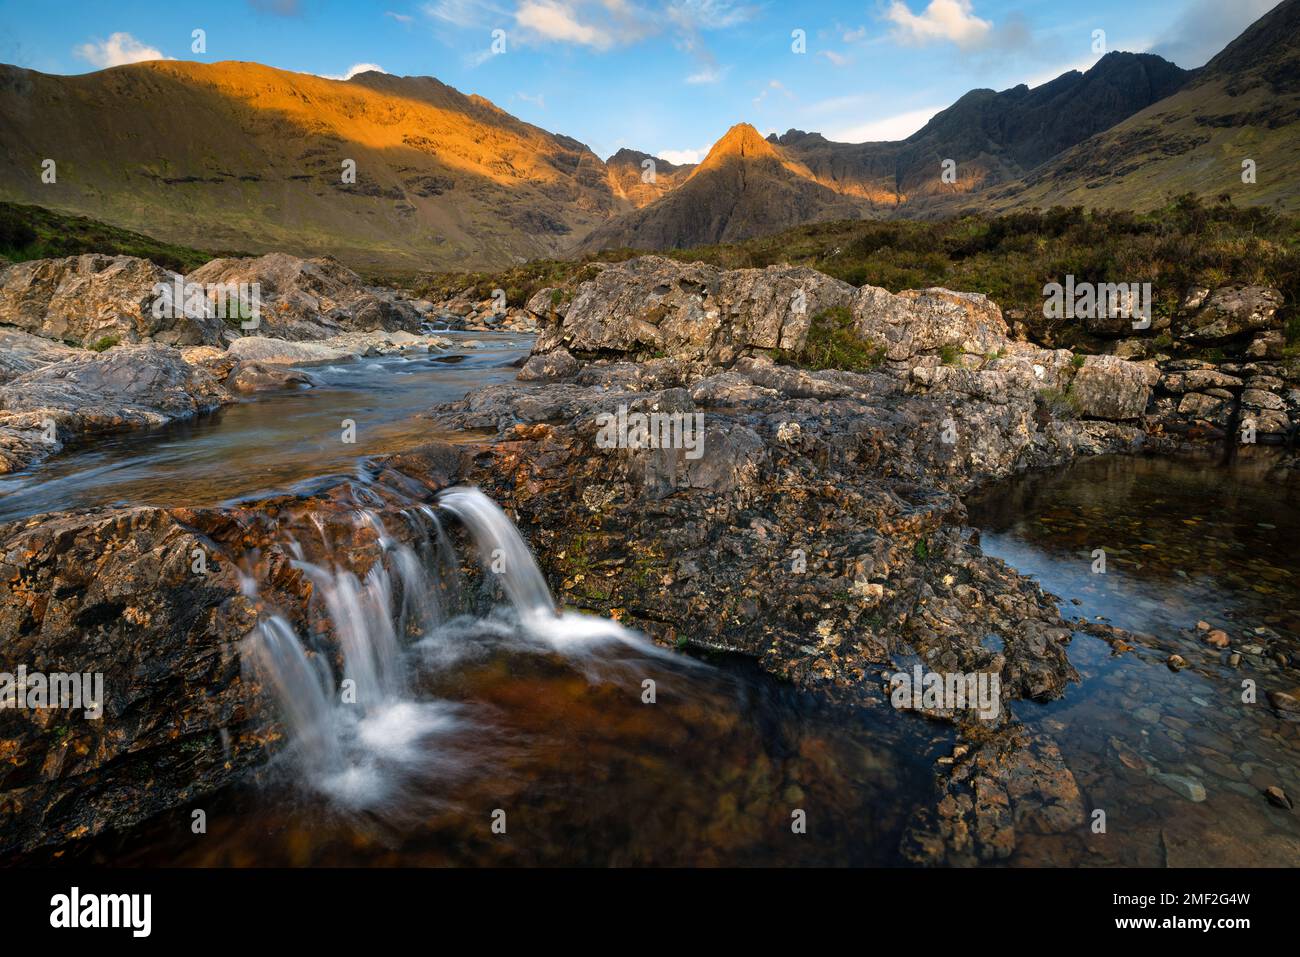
x=665, y=76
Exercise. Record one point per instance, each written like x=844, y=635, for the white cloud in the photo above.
x=839, y=59
x=707, y=73
x=683, y=157
x=462, y=13
x=898, y=127
x=403, y=18
x=952, y=20
x=708, y=14
x=538, y=100
x=118, y=49
x=354, y=69
x=557, y=20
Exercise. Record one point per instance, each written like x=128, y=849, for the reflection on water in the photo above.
x=268, y=442
x=1177, y=760
x=586, y=772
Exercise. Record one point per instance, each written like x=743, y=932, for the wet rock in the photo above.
x=1182, y=785
x=252, y=376
x=1285, y=702
x=1176, y=662
x=1217, y=637
x=90, y=393
x=1279, y=798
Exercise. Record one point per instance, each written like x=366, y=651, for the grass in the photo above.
x=1187, y=242
x=103, y=343
x=833, y=343
x=32, y=232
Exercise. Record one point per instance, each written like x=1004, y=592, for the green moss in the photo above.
x=833, y=343
x=950, y=355
x=103, y=343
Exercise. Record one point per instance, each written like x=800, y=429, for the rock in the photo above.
x=1176, y=662
x=1267, y=345
x=1186, y=787
x=218, y=363
x=1198, y=380
x=94, y=298
x=552, y=365
x=312, y=298
x=1259, y=399
x=89, y=393
x=928, y=320
x=651, y=306
x=1202, y=625
x=1278, y=798
x=283, y=352
x=1217, y=637
x=1228, y=312
x=250, y=376
x=1109, y=388
x=1286, y=702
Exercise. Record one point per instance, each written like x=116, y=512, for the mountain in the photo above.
x=240, y=155
x=745, y=187
x=1242, y=105
x=993, y=137
x=629, y=179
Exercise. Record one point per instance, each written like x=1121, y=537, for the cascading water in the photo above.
x=359, y=733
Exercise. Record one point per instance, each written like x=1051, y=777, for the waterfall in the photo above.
x=393, y=623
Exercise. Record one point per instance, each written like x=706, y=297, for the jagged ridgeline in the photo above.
x=449, y=180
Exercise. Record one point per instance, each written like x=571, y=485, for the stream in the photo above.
x=538, y=721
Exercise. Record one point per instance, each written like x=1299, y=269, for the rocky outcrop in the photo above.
x=312, y=298
x=86, y=393
x=1229, y=312
x=85, y=300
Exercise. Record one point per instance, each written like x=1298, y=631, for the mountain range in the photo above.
x=241, y=155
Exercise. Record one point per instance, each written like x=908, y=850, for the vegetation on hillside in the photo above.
x=32, y=232
x=1009, y=257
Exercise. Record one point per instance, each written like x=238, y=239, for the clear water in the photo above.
x=268, y=442
x=1185, y=541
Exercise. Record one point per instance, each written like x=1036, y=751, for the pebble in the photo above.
x=1182, y=786
x=1218, y=638
x=1278, y=798
x=1176, y=662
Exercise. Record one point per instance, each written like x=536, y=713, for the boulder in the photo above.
x=95, y=298
x=559, y=364
x=1107, y=387
x=259, y=377
x=87, y=393
x=1228, y=312
x=928, y=320
x=655, y=306
x=312, y=298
